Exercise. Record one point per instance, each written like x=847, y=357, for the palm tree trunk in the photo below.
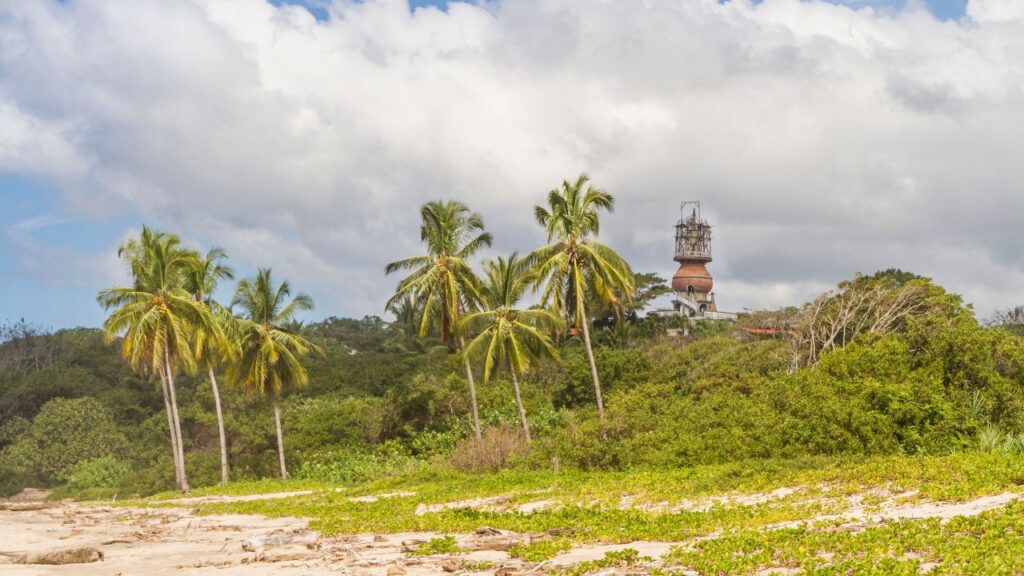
x=220, y=428
x=280, y=436
x=519, y=403
x=170, y=426
x=593, y=365
x=472, y=391
x=177, y=420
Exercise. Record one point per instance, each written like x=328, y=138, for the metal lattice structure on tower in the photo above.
x=693, y=234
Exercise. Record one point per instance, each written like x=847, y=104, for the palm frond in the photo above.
x=410, y=263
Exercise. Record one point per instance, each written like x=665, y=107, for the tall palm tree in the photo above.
x=268, y=356
x=201, y=280
x=505, y=334
x=156, y=318
x=406, y=327
x=442, y=283
x=575, y=263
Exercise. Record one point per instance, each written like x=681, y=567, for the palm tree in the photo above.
x=268, y=356
x=508, y=335
x=442, y=282
x=406, y=324
x=156, y=318
x=574, y=263
x=201, y=280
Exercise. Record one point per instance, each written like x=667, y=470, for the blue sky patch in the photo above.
x=942, y=9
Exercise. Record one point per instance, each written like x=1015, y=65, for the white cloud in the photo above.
x=29, y=144
x=823, y=139
x=995, y=10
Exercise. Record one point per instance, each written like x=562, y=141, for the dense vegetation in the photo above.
x=381, y=401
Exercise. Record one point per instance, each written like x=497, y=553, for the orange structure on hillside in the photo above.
x=692, y=283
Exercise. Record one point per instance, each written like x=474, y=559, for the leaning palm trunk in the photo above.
x=593, y=365
x=280, y=436
x=220, y=428
x=519, y=403
x=177, y=421
x=472, y=392
x=170, y=426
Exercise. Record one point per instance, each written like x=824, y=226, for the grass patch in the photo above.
x=591, y=500
x=246, y=488
x=592, y=503
x=443, y=545
x=617, y=558
x=540, y=551
x=990, y=543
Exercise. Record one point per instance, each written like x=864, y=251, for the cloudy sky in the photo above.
x=823, y=138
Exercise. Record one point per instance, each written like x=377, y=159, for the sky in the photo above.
x=822, y=138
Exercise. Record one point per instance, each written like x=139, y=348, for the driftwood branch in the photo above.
x=302, y=537
x=59, y=557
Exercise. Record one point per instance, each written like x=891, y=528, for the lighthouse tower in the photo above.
x=692, y=283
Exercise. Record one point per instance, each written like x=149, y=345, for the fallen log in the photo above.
x=10, y=506
x=59, y=557
x=293, y=557
x=306, y=538
x=412, y=545
x=486, y=538
x=503, y=543
x=205, y=564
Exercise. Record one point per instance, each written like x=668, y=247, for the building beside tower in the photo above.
x=692, y=283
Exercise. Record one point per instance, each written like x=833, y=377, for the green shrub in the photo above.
x=352, y=466
x=443, y=545
x=617, y=369
x=103, y=472
x=12, y=482
x=435, y=442
x=156, y=476
x=13, y=429
x=866, y=398
x=315, y=424
x=1013, y=444
x=64, y=433
x=991, y=440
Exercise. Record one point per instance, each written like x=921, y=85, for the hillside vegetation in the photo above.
x=382, y=402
